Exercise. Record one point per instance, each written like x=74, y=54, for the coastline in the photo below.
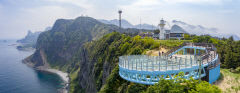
x=64, y=76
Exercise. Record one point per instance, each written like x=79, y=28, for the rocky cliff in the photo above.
x=73, y=46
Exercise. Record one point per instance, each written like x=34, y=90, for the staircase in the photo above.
x=175, y=48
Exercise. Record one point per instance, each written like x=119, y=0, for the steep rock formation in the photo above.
x=66, y=47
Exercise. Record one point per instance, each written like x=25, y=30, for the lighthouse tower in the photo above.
x=162, y=30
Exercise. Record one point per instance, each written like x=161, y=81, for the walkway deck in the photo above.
x=149, y=69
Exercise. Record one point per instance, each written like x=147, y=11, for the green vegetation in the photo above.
x=228, y=50
x=156, y=31
x=171, y=43
x=77, y=47
x=182, y=86
x=229, y=82
x=187, y=37
x=110, y=47
x=102, y=56
x=107, y=50
x=73, y=83
x=29, y=41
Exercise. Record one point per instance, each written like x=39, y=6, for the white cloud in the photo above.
x=215, y=2
x=80, y=3
x=35, y=19
x=146, y=3
x=40, y=17
x=226, y=11
x=20, y=16
x=141, y=4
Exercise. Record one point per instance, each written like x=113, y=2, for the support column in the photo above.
x=166, y=64
x=159, y=61
x=132, y=63
x=179, y=64
x=184, y=51
x=147, y=66
x=128, y=62
x=153, y=64
x=136, y=63
x=141, y=64
x=191, y=60
x=199, y=52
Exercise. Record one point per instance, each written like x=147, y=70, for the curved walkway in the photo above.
x=149, y=69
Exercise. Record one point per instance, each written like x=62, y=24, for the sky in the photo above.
x=19, y=16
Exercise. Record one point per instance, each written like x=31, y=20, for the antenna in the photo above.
x=140, y=23
x=120, y=12
x=152, y=26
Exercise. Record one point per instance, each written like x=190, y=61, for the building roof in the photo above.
x=177, y=29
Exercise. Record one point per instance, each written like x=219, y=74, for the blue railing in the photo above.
x=148, y=70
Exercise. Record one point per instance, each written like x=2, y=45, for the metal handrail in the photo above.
x=151, y=63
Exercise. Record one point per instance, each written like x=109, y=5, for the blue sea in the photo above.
x=16, y=77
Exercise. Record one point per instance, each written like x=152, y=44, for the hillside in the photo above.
x=30, y=39
x=202, y=30
x=229, y=82
x=84, y=48
x=62, y=48
x=99, y=70
x=126, y=24
x=189, y=28
x=66, y=38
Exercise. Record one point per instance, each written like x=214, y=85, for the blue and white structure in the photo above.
x=194, y=58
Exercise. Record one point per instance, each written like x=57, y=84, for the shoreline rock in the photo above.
x=64, y=76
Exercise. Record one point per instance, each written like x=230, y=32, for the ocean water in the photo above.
x=16, y=77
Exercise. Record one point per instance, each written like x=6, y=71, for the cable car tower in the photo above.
x=120, y=20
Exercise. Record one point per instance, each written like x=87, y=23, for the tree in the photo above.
x=136, y=88
x=136, y=51
x=181, y=85
x=187, y=37
x=156, y=31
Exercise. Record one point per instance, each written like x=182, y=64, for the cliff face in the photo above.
x=74, y=44
x=97, y=63
x=30, y=38
x=99, y=67
x=66, y=38
x=29, y=41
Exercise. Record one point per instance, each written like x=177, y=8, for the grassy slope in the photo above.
x=165, y=46
x=229, y=82
x=107, y=50
x=73, y=83
x=172, y=43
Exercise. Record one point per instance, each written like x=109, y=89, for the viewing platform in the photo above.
x=188, y=58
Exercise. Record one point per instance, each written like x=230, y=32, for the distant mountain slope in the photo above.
x=67, y=37
x=30, y=38
x=62, y=47
x=200, y=30
x=177, y=29
x=126, y=24
x=48, y=28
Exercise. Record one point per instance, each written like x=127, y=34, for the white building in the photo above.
x=175, y=32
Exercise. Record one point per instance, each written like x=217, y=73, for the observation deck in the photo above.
x=188, y=58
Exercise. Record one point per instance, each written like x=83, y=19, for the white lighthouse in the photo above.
x=162, y=29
